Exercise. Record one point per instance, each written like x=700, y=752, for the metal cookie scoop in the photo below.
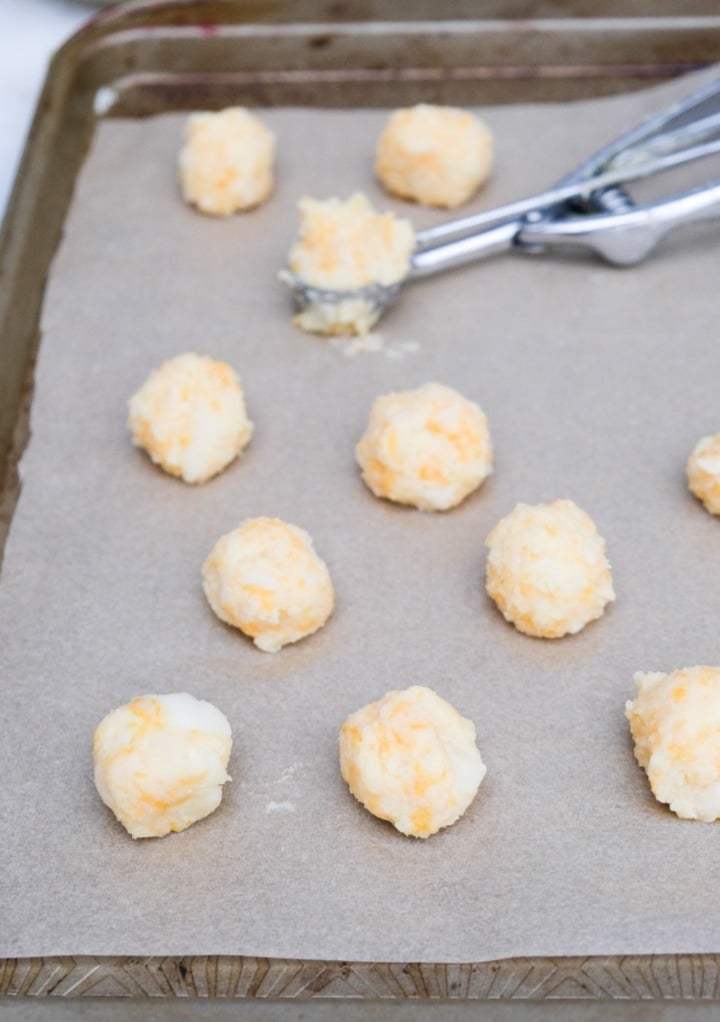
x=587, y=208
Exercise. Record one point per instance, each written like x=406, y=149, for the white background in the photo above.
x=30, y=32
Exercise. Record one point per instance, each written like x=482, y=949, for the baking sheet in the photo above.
x=596, y=382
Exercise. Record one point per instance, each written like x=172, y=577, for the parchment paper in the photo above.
x=597, y=382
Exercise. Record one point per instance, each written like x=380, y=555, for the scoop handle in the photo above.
x=434, y=258
x=625, y=238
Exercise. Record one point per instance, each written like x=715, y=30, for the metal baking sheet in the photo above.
x=144, y=91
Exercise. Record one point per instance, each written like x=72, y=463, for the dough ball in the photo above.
x=436, y=155
x=703, y=472
x=266, y=579
x=345, y=246
x=410, y=758
x=675, y=723
x=547, y=570
x=161, y=762
x=226, y=162
x=190, y=417
x=428, y=447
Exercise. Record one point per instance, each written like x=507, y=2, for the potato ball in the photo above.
x=428, y=447
x=265, y=578
x=436, y=155
x=410, y=758
x=226, y=162
x=547, y=570
x=703, y=472
x=190, y=417
x=675, y=724
x=346, y=246
x=161, y=761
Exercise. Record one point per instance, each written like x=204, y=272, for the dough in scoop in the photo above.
x=345, y=246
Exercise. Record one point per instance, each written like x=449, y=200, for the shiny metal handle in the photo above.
x=482, y=234
x=625, y=238
x=433, y=259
